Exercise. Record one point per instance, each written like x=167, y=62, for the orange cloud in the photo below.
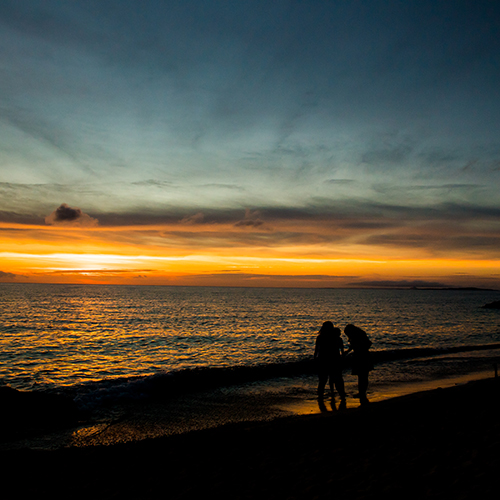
x=291, y=253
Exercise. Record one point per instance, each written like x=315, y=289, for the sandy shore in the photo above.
x=443, y=443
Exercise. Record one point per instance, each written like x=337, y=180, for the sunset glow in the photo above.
x=114, y=256
x=283, y=144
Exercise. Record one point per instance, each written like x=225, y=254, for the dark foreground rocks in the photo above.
x=23, y=412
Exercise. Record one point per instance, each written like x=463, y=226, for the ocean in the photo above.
x=204, y=352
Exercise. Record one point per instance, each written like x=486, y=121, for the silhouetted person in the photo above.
x=359, y=345
x=328, y=354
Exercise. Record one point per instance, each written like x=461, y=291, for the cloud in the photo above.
x=153, y=183
x=7, y=276
x=99, y=272
x=251, y=219
x=193, y=219
x=395, y=155
x=328, y=227
x=272, y=280
x=65, y=215
x=340, y=182
x=218, y=185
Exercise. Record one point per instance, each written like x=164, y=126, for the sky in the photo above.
x=316, y=143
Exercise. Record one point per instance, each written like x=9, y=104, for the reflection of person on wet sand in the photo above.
x=328, y=354
x=359, y=345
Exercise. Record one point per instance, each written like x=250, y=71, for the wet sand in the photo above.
x=442, y=443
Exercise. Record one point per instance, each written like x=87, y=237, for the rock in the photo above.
x=23, y=410
x=492, y=305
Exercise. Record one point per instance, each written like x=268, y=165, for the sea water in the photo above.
x=63, y=335
x=102, y=342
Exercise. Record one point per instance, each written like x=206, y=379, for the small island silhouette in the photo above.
x=492, y=305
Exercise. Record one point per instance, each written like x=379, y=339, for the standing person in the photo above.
x=328, y=354
x=359, y=344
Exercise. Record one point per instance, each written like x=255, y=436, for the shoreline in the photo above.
x=159, y=418
x=438, y=443
x=309, y=406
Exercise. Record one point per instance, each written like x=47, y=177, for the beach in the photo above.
x=139, y=395
x=442, y=443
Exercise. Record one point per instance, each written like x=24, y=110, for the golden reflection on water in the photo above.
x=68, y=334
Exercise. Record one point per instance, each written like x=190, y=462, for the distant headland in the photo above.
x=492, y=305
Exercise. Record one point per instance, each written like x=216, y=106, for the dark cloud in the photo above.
x=368, y=225
x=65, y=215
x=252, y=219
x=374, y=223
x=255, y=279
x=18, y=218
x=198, y=218
x=249, y=223
x=291, y=277
x=153, y=183
x=348, y=213
x=7, y=276
x=263, y=238
x=482, y=242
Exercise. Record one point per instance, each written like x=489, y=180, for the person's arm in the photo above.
x=316, y=350
x=341, y=345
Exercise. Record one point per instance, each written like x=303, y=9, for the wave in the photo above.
x=421, y=352
x=190, y=380
x=163, y=385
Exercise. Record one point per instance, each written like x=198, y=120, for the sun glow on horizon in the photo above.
x=203, y=269
x=223, y=255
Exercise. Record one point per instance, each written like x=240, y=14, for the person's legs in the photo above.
x=339, y=383
x=331, y=381
x=362, y=384
x=340, y=387
x=322, y=378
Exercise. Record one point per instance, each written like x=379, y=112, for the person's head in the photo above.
x=350, y=330
x=327, y=327
x=337, y=332
x=355, y=334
